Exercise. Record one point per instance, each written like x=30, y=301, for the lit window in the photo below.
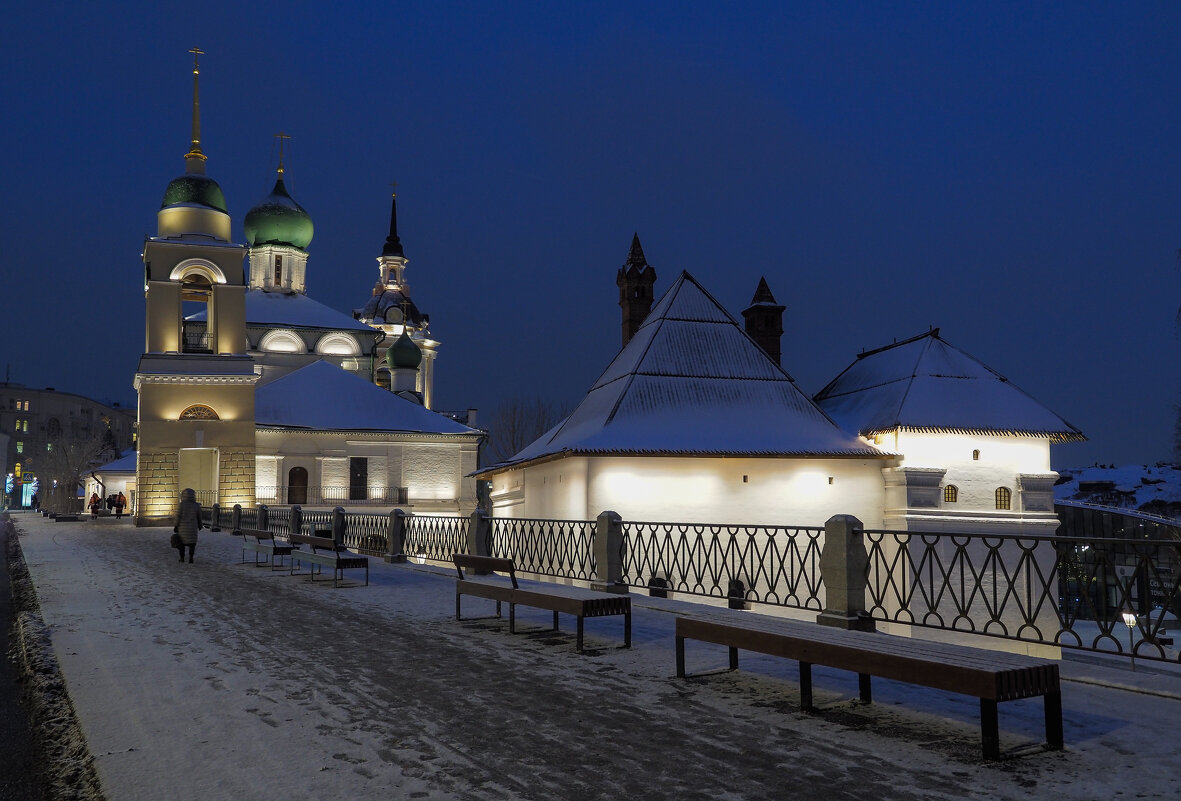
x=278, y=270
x=48, y=447
x=1004, y=498
x=20, y=446
x=951, y=493
x=26, y=406
x=198, y=411
x=975, y=456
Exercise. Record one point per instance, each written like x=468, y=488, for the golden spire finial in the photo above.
x=394, y=187
x=195, y=156
x=281, y=137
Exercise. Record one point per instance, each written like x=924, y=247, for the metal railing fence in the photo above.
x=558, y=548
x=435, y=537
x=777, y=565
x=332, y=495
x=1065, y=591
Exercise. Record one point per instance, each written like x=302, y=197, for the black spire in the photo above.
x=393, y=245
x=635, y=254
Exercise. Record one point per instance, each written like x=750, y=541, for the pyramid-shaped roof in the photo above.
x=692, y=383
x=322, y=396
x=925, y=384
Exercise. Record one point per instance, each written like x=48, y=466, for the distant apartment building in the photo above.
x=37, y=420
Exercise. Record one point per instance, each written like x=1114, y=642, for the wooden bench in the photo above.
x=324, y=552
x=991, y=676
x=554, y=598
x=262, y=541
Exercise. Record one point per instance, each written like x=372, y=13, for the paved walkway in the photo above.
x=219, y=680
x=18, y=781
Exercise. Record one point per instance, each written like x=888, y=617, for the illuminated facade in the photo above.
x=694, y=421
x=250, y=391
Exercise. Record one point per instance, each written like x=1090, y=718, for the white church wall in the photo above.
x=714, y=490
x=431, y=471
x=1001, y=460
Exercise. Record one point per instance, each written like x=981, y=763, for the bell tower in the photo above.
x=194, y=379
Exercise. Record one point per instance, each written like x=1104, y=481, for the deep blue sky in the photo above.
x=1007, y=172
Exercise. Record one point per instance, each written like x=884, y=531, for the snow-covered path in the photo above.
x=222, y=681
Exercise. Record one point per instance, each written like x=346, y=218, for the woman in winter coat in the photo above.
x=95, y=504
x=188, y=523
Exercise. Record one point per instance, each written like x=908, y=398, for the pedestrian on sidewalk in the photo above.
x=188, y=523
x=95, y=504
x=120, y=502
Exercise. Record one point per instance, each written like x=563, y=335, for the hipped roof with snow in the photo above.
x=692, y=383
x=925, y=384
x=321, y=396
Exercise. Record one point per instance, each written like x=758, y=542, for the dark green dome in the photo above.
x=192, y=188
x=404, y=353
x=278, y=220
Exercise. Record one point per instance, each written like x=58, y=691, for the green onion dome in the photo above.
x=195, y=189
x=404, y=353
x=278, y=220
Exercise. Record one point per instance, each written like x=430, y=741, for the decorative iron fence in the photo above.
x=559, y=548
x=777, y=565
x=316, y=520
x=366, y=533
x=336, y=495
x=435, y=537
x=279, y=522
x=1065, y=591
x=249, y=517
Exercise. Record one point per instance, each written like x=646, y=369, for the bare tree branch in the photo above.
x=517, y=422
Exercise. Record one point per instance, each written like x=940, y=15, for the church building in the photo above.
x=250, y=391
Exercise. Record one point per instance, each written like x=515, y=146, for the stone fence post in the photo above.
x=236, y=520
x=215, y=521
x=338, y=526
x=296, y=520
x=478, y=529
x=395, y=536
x=608, y=550
x=264, y=517
x=843, y=562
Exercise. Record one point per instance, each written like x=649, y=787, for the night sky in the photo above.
x=1009, y=173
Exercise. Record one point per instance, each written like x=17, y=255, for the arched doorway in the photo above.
x=297, y=486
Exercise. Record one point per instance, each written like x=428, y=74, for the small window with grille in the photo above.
x=951, y=493
x=1004, y=498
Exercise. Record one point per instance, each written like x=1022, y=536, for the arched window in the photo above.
x=1004, y=498
x=951, y=493
x=199, y=412
x=975, y=456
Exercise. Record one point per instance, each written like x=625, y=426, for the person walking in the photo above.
x=95, y=504
x=120, y=502
x=188, y=523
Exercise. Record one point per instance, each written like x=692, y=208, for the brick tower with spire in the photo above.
x=764, y=320
x=635, y=280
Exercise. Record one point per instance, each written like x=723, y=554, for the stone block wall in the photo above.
x=156, y=487
x=235, y=477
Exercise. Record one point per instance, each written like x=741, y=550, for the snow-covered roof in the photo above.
x=692, y=383
x=925, y=384
x=124, y=464
x=292, y=310
x=322, y=396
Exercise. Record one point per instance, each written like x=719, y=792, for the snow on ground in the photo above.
x=219, y=680
x=1156, y=487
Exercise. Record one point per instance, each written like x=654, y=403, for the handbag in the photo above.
x=175, y=540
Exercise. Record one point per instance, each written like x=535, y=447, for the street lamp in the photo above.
x=1130, y=622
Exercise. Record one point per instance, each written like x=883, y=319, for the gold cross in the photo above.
x=196, y=51
x=394, y=186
